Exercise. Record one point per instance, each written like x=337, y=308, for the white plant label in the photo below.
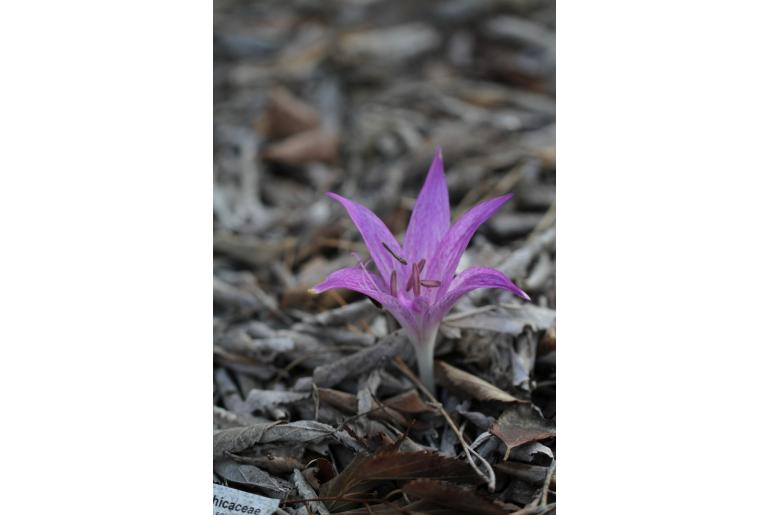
x=229, y=501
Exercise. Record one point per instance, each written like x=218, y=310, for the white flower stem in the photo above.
x=423, y=349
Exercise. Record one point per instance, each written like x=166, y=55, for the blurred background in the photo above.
x=352, y=96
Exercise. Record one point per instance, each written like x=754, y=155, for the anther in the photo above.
x=393, y=283
x=416, y=279
x=430, y=283
x=396, y=256
x=421, y=265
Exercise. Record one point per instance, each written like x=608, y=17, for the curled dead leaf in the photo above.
x=239, y=438
x=477, y=388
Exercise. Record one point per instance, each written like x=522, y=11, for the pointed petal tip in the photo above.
x=339, y=198
x=313, y=291
x=524, y=295
x=436, y=169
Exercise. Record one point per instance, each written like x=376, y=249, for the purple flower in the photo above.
x=416, y=281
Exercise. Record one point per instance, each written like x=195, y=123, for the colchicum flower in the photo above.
x=416, y=281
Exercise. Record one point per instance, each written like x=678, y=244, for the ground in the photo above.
x=314, y=396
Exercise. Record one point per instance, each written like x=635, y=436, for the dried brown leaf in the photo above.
x=366, y=471
x=305, y=147
x=287, y=114
x=477, y=388
x=519, y=425
x=275, y=459
x=461, y=500
x=409, y=402
x=343, y=401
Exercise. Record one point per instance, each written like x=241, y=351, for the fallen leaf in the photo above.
x=523, y=358
x=275, y=459
x=304, y=147
x=461, y=500
x=306, y=492
x=477, y=388
x=263, y=400
x=409, y=402
x=287, y=115
x=534, y=474
x=519, y=425
x=343, y=401
x=528, y=452
x=366, y=471
x=240, y=438
x=507, y=318
x=252, y=476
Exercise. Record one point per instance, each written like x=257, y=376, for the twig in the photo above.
x=547, y=483
x=469, y=453
x=316, y=402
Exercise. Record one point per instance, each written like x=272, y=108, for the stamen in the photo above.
x=421, y=265
x=430, y=283
x=416, y=276
x=396, y=256
x=393, y=284
x=410, y=282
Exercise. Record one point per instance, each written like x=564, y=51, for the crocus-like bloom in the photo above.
x=416, y=281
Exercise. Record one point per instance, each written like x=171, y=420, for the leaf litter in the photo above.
x=311, y=403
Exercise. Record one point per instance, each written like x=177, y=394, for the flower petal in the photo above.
x=356, y=279
x=472, y=279
x=430, y=217
x=375, y=233
x=444, y=263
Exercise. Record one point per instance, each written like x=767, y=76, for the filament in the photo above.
x=396, y=256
